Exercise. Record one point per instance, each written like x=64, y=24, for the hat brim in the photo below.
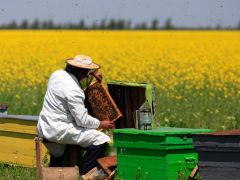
x=83, y=66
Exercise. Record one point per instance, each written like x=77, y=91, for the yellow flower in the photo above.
x=18, y=96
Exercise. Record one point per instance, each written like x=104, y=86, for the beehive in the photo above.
x=17, y=144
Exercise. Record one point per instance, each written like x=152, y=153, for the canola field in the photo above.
x=196, y=73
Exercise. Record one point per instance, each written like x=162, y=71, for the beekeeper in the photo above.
x=64, y=118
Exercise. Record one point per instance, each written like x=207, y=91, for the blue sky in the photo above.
x=191, y=13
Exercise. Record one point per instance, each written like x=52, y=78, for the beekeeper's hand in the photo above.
x=98, y=76
x=106, y=125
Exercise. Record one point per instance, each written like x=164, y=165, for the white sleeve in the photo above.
x=75, y=102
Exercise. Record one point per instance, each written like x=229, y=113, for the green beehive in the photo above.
x=163, y=153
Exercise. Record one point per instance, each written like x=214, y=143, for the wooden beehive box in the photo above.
x=16, y=140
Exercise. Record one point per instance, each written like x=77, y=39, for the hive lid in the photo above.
x=163, y=131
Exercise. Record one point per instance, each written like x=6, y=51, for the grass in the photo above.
x=199, y=108
x=12, y=172
x=189, y=108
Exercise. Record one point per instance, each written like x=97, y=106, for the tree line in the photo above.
x=112, y=24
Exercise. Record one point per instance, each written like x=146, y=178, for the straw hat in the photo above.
x=82, y=61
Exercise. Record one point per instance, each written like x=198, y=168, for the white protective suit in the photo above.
x=64, y=118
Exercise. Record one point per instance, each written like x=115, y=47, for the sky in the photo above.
x=191, y=13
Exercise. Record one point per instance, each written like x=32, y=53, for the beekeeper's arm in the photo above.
x=78, y=110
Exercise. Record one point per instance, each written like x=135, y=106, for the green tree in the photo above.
x=168, y=24
x=112, y=24
x=120, y=24
x=81, y=24
x=35, y=24
x=48, y=24
x=94, y=25
x=143, y=26
x=12, y=25
x=103, y=24
x=128, y=24
x=218, y=27
x=24, y=24
x=154, y=24
x=44, y=25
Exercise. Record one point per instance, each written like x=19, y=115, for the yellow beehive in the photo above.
x=17, y=140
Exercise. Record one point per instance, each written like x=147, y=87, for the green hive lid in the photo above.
x=161, y=131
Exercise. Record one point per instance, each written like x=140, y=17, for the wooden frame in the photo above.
x=100, y=103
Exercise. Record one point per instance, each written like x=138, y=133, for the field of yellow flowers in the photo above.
x=196, y=73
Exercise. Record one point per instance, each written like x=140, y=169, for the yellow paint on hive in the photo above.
x=17, y=142
x=18, y=126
